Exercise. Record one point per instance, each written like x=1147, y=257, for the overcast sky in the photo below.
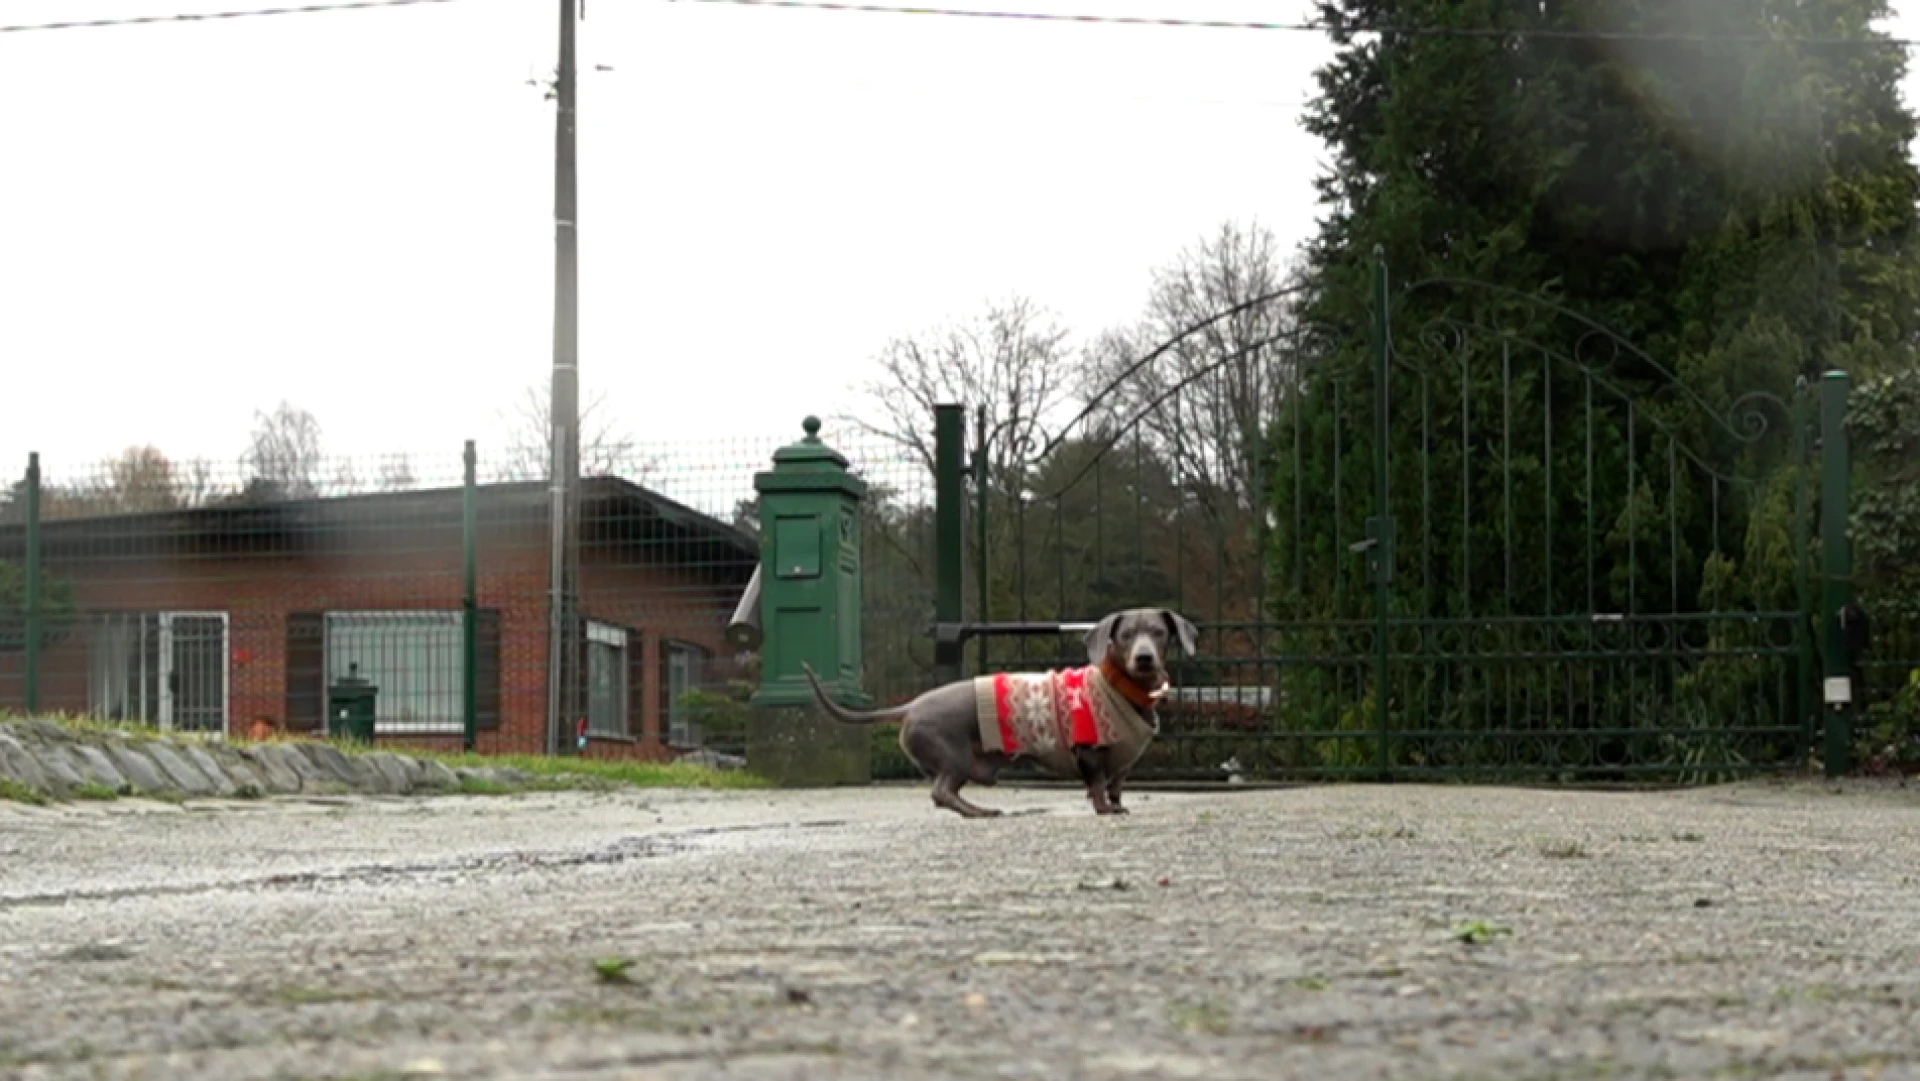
x=352, y=211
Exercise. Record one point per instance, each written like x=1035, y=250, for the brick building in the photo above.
x=229, y=617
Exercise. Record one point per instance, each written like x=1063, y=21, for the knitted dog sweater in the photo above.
x=1044, y=713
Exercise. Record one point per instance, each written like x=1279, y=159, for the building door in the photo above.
x=166, y=669
x=193, y=671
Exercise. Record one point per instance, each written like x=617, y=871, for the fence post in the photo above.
x=1380, y=528
x=980, y=559
x=470, y=604
x=949, y=490
x=1836, y=559
x=33, y=583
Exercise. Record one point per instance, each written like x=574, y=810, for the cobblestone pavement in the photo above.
x=1344, y=932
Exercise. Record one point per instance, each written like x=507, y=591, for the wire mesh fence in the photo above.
x=326, y=596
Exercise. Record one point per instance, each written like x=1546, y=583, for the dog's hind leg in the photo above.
x=946, y=793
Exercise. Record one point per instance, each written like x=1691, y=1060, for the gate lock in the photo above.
x=1378, y=548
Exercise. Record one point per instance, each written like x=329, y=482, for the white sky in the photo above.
x=352, y=211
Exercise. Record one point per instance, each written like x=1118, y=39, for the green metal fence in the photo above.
x=1569, y=563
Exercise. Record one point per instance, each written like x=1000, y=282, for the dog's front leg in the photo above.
x=1092, y=762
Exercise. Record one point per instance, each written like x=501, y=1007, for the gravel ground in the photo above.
x=1752, y=931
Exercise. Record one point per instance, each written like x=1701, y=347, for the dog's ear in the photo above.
x=1179, y=627
x=1100, y=638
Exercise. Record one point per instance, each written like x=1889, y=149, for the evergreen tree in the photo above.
x=1735, y=206
x=1618, y=231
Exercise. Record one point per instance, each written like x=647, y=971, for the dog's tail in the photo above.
x=847, y=716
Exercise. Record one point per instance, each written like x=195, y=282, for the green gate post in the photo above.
x=1836, y=558
x=470, y=603
x=1380, y=526
x=949, y=490
x=810, y=571
x=33, y=583
x=980, y=565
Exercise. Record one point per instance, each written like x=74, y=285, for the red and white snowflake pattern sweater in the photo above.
x=1045, y=715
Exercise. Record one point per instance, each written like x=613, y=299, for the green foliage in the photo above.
x=1889, y=739
x=720, y=714
x=58, y=608
x=1884, y=425
x=15, y=792
x=1738, y=217
x=897, y=605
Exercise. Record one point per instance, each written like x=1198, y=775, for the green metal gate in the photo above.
x=1570, y=563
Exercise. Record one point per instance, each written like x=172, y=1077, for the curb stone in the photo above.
x=53, y=761
x=50, y=760
x=223, y=786
x=331, y=765
x=246, y=779
x=20, y=767
x=178, y=770
x=437, y=774
x=140, y=770
x=97, y=766
x=275, y=774
x=305, y=773
x=388, y=772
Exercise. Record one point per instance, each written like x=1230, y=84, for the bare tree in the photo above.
x=195, y=483
x=1209, y=399
x=605, y=449
x=139, y=481
x=396, y=474
x=1010, y=360
x=284, y=457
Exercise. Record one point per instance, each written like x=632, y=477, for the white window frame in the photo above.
x=454, y=724
x=606, y=634
x=163, y=621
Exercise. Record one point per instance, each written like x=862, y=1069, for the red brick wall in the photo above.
x=661, y=603
x=403, y=572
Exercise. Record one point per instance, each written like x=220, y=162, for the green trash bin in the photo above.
x=350, y=705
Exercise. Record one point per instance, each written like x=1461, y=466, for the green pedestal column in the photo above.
x=810, y=596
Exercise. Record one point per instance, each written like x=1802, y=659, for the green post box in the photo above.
x=810, y=569
x=350, y=707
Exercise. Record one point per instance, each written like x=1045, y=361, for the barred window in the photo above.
x=607, y=674
x=413, y=658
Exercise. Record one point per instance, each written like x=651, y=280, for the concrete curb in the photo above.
x=44, y=760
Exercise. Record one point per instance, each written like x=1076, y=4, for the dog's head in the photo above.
x=1138, y=640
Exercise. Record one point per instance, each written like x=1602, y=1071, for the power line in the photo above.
x=211, y=16
x=1545, y=33
x=1311, y=27
x=1015, y=16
